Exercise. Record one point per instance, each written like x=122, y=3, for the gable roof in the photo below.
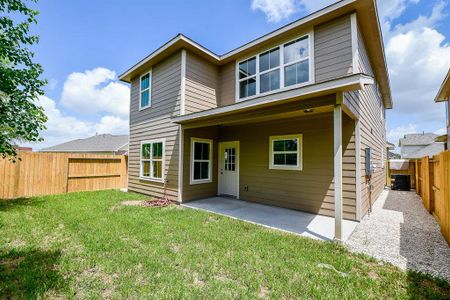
x=367, y=20
x=417, y=139
x=429, y=151
x=96, y=143
x=444, y=91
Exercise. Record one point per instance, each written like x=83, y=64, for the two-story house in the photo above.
x=295, y=118
x=443, y=95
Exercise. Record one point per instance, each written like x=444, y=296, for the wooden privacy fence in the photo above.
x=433, y=185
x=40, y=173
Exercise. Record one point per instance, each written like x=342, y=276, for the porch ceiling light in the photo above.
x=308, y=111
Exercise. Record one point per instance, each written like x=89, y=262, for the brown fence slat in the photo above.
x=40, y=173
x=433, y=185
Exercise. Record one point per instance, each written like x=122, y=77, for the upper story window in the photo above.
x=145, y=91
x=296, y=62
x=247, y=78
x=288, y=65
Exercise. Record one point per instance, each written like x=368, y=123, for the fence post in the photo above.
x=445, y=227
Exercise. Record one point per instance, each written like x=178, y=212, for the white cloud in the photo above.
x=276, y=10
x=441, y=131
x=95, y=91
x=418, y=61
x=61, y=127
x=396, y=133
x=113, y=125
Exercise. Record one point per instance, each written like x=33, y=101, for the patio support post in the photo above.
x=337, y=117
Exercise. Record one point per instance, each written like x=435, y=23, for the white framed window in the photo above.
x=145, y=90
x=201, y=160
x=286, y=152
x=286, y=66
x=247, y=78
x=152, y=157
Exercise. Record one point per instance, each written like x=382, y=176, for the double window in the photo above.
x=201, y=160
x=152, y=160
x=145, y=91
x=286, y=65
x=286, y=152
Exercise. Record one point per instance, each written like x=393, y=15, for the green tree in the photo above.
x=21, y=119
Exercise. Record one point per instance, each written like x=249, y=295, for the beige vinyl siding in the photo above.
x=227, y=84
x=333, y=49
x=364, y=62
x=202, y=190
x=154, y=123
x=201, y=84
x=311, y=189
x=368, y=103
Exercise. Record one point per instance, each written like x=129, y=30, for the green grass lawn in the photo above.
x=88, y=245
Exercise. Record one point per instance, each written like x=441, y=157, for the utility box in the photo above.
x=368, y=161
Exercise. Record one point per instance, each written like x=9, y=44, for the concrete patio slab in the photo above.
x=297, y=222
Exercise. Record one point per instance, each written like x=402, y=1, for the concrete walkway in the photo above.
x=305, y=224
x=399, y=230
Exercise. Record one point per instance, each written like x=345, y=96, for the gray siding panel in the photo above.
x=154, y=123
x=364, y=62
x=201, y=84
x=333, y=49
x=369, y=106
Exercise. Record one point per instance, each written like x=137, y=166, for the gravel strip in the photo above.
x=399, y=230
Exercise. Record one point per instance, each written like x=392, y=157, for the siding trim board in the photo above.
x=355, y=50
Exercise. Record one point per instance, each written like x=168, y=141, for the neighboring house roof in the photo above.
x=392, y=155
x=444, y=90
x=368, y=22
x=429, y=150
x=417, y=139
x=96, y=143
x=390, y=146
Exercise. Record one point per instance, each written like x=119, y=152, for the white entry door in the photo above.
x=229, y=168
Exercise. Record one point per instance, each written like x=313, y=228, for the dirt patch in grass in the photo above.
x=263, y=292
x=133, y=203
x=10, y=264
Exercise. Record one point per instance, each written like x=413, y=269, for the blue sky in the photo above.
x=84, y=45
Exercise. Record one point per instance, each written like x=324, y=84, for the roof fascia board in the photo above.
x=444, y=90
x=179, y=38
x=293, y=25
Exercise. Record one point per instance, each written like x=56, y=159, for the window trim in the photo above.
x=149, y=90
x=299, y=166
x=191, y=177
x=163, y=160
x=310, y=36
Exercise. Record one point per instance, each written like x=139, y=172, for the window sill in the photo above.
x=286, y=168
x=151, y=179
x=194, y=182
x=142, y=108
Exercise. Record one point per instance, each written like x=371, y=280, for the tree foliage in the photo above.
x=21, y=119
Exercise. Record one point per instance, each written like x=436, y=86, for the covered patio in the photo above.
x=288, y=220
x=320, y=184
